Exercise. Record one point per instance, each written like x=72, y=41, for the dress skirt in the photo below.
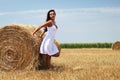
x=48, y=46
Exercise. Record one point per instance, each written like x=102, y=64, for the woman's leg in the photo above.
x=56, y=55
x=43, y=59
x=48, y=61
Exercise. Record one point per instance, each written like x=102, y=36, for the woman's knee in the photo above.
x=57, y=54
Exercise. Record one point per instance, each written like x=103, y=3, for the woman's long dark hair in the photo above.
x=48, y=14
x=48, y=17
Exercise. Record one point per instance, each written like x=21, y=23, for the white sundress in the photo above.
x=48, y=46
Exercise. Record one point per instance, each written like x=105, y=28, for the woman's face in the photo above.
x=52, y=15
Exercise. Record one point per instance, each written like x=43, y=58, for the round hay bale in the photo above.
x=116, y=45
x=58, y=45
x=18, y=49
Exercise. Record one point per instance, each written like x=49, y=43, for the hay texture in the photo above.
x=116, y=45
x=18, y=49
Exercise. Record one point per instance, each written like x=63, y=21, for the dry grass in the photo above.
x=75, y=64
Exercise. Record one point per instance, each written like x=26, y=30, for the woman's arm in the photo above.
x=48, y=23
x=41, y=35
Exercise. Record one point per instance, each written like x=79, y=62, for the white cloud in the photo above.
x=23, y=12
x=115, y=10
x=91, y=10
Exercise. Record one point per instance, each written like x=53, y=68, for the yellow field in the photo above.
x=75, y=64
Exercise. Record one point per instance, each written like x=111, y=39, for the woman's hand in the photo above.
x=33, y=33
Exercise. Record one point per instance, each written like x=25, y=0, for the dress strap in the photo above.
x=55, y=24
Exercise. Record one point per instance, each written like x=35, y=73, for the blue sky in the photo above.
x=78, y=20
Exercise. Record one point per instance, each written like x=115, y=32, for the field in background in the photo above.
x=75, y=64
x=86, y=45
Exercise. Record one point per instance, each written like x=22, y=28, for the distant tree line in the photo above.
x=86, y=45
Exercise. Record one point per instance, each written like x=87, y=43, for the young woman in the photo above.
x=48, y=48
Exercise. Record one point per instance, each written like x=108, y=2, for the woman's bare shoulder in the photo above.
x=49, y=23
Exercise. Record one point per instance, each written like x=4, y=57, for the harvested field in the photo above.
x=75, y=64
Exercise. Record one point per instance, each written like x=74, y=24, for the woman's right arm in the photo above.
x=48, y=23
